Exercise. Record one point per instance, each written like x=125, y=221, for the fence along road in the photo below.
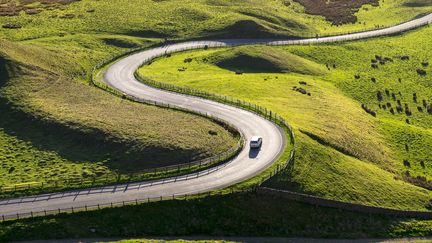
x=246, y=165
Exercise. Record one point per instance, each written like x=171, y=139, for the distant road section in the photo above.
x=246, y=165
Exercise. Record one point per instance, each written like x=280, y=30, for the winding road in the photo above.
x=246, y=165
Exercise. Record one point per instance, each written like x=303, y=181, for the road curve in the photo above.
x=246, y=165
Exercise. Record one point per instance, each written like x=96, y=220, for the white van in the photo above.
x=256, y=142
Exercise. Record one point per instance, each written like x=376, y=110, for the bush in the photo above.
x=379, y=96
x=404, y=58
x=11, y=26
x=421, y=72
x=368, y=110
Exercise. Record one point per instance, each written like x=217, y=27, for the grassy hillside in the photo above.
x=261, y=60
x=55, y=127
x=229, y=215
x=343, y=152
x=59, y=128
x=195, y=18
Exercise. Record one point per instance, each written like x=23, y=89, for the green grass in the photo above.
x=194, y=18
x=58, y=128
x=263, y=60
x=342, y=152
x=51, y=57
x=229, y=215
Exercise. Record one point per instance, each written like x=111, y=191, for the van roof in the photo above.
x=255, y=138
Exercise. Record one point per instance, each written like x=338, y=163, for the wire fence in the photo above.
x=421, y=20
x=262, y=111
x=93, y=207
x=147, y=174
x=319, y=201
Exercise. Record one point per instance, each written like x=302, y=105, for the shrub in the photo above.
x=368, y=110
x=429, y=109
x=406, y=163
x=301, y=90
x=213, y=133
x=387, y=92
x=408, y=112
x=11, y=26
x=379, y=96
x=399, y=109
x=404, y=58
x=421, y=72
x=11, y=170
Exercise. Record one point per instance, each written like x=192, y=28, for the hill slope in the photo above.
x=350, y=145
x=55, y=128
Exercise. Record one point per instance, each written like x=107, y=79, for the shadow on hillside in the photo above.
x=79, y=144
x=5, y=71
x=244, y=29
x=237, y=214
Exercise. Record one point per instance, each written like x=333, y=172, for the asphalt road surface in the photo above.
x=246, y=165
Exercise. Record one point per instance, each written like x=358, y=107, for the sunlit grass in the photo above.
x=342, y=152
